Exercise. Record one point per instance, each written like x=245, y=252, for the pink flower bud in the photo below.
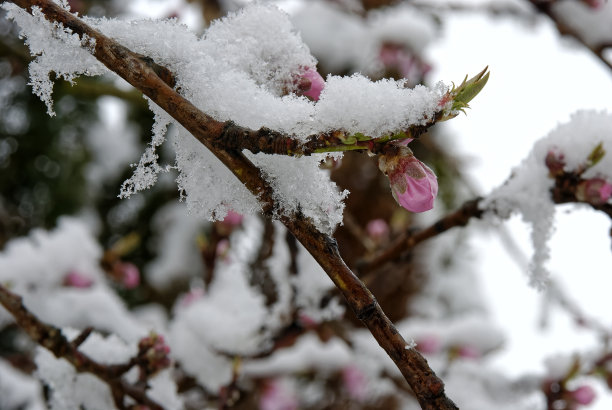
x=584, y=395
x=222, y=248
x=153, y=352
x=77, y=280
x=413, y=184
x=594, y=4
x=191, y=296
x=429, y=344
x=377, y=229
x=276, y=397
x=354, y=382
x=306, y=321
x=129, y=275
x=311, y=84
x=555, y=162
x=233, y=219
x=468, y=352
x=595, y=191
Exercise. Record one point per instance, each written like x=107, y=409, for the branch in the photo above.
x=408, y=240
x=564, y=191
x=428, y=388
x=52, y=339
x=545, y=7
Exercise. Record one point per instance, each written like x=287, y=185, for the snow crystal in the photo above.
x=244, y=68
x=592, y=25
x=528, y=189
x=55, y=48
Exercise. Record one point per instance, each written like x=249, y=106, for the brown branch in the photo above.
x=564, y=191
x=428, y=388
x=52, y=339
x=408, y=240
x=545, y=7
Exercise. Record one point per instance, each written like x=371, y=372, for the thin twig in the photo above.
x=428, y=388
x=408, y=240
x=545, y=7
x=52, y=339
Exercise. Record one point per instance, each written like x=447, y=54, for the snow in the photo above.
x=19, y=390
x=177, y=254
x=528, y=189
x=331, y=32
x=245, y=69
x=591, y=24
x=72, y=390
x=307, y=354
x=35, y=268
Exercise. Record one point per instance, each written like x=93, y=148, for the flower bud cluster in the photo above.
x=596, y=191
x=153, y=353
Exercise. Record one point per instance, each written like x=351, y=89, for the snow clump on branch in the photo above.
x=246, y=69
x=570, y=148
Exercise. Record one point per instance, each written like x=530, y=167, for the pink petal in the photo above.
x=417, y=194
x=584, y=395
x=317, y=83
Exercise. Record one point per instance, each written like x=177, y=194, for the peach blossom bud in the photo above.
x=429, y=344
x=584, y=395
x=312, y=83
x=154, y=352
x=468, y=352
x=77, y=280
x=377, y=229
x=233, y=219
x=129, y=275
x=276, y=397
x=413, y=184
x=354, y=382
x=555, y=162
x=595, y=191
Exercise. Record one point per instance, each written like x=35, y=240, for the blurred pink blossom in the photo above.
x=468, y=352
x=306, y=321
x=584, y=395
x=595, y=191
x=396, y=57
x=555, y=162
x=429, y=344
x=129, y=275
x=276, y=397
x=222, y=248
x=77, y=280
x=377, y=229
x=154, y=351
x=413, y=184
x=233, y=219
x=191, y=296
x=594, y=4
x=354, y=382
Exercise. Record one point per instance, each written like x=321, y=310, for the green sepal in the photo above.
x=596, y=155
x=464, y=93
